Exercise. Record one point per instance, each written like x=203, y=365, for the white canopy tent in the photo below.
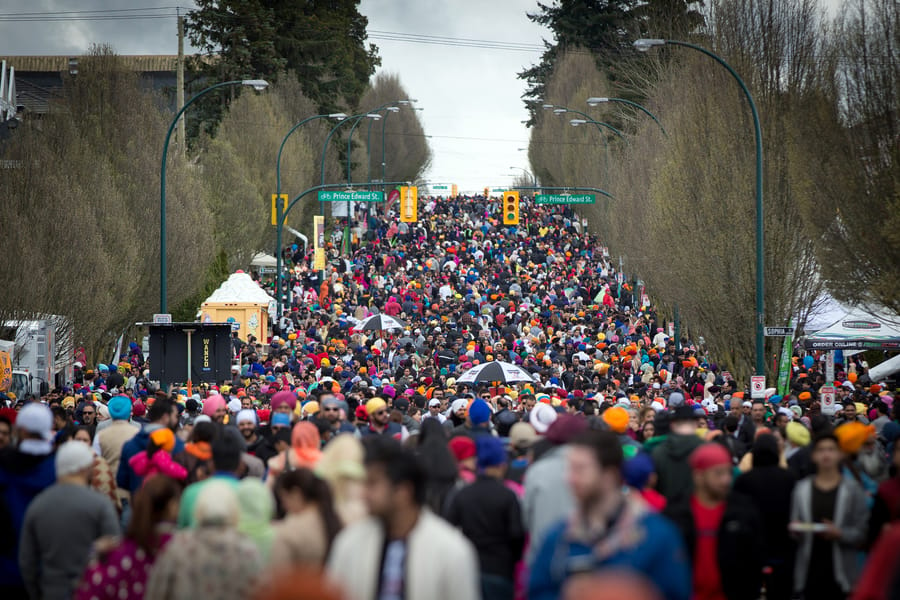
x=262, y=259
x=858, y=329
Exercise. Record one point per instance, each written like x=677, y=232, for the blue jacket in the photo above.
x=22, y=477
x=126, y=478
x=646, y=543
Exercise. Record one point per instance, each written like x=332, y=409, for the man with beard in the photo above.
x=722, y=531
x=257, y=445
x=458, y=409
x=380, y=420
x=393, y=551
x=608, y=529
x=330, y=411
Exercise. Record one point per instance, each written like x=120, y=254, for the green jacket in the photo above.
x=673, y=473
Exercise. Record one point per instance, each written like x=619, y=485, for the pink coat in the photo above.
x=160, y=463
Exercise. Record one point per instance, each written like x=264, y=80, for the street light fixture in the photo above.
x=643, y=45
x=256, y=84
x=577, y=122
x=598, y=100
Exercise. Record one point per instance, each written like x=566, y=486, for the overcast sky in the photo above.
x=471, y=96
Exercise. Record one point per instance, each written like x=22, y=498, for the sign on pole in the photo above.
x=350, y=196
x=778, y=331
x=284, y=205
x=318, y=243
x=826, y=395
x=409, y=204
x=784, y=368
x=829, y=367
x=564, y=199
x=162, y=319
x=758, y=387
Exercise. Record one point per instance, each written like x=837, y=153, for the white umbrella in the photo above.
x=496, y=371
x=380, y=323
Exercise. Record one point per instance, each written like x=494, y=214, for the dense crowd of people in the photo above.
x=346, y=463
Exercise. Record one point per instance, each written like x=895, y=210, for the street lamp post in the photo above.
x=279, y=310
x=645, y=44
x=387, y=112
x=258, y=85
x=529, y=173
x=596, y=101
x=561, y=110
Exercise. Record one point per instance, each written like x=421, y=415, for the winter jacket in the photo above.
x=639, y=540
x=770, y=488
x=488, y=513
x=160, y=463
x=739, y=549
x=362, y=545
x=22, y=477
x=126, y=478
x=851, y=517
x=673, y=472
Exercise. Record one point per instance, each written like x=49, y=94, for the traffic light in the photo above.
x=487, y=192
x=510, y=208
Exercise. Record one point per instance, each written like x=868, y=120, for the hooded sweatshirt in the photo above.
x=674, y=477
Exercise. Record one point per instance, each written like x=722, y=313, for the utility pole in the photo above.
x=179, y=84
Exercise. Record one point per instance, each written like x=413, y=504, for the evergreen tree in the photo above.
x=606, y=28
x=322, y=41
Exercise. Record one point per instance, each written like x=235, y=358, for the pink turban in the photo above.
x=284, y=397
x=212, y=404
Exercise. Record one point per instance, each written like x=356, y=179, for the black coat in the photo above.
x=740, y=550
x=488, y=513
x=770, y=489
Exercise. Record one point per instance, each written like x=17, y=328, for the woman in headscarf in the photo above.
x=122, y=573
x=257, y=510
x=304, y=452
x=341, y=466
x=304, y=536
x=211, y=560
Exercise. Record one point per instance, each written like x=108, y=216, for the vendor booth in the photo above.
x=242, y=303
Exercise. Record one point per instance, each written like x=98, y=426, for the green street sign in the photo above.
x=351, y=196
x=499, y=189
x=440, y=187
x=564, y=199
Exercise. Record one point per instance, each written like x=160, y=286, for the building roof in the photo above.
x=142, y=63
